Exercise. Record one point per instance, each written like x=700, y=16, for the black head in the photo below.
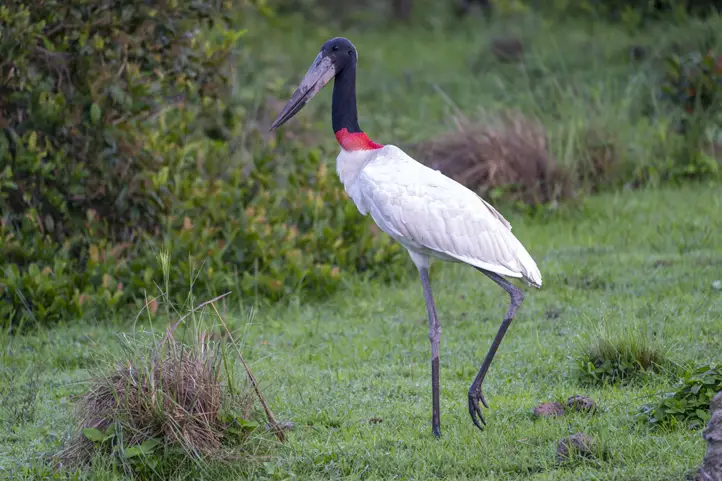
x=335, y=55
x=341, y=52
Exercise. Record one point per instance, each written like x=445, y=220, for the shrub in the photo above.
x=693, y=82
x=507, y=154
x=633, y=12
x=620, y=356
x=80, y=173
x=689, y=404
x=81, y=79
x=122, y=138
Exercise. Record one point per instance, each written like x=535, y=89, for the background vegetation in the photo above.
x=131, y=127
x=135, y=128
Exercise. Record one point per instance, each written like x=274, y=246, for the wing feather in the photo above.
x=419, y=206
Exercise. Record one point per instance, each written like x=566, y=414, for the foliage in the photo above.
x=81, y=80
x=122, y=138
x=615, y=356
x=689, y=404
x=80, y=171
x=325, y=12
x=634, y=12
x=693, y=82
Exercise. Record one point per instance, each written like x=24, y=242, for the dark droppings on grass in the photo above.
x=589, y=282
x=582, y=404
x=548, y=409
x=579, y=444
x=553, y=313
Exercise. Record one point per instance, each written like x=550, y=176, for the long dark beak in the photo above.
x=322, y=70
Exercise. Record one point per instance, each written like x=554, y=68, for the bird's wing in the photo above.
x=424, y=207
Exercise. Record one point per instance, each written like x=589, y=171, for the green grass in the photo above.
x=644, y=258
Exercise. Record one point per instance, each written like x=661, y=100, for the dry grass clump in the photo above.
x=177, y=397
x=508, y=49
x=170, y=396
x=510, y=152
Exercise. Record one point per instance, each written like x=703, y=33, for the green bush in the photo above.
x=693, y=83
x=689, y=404
x=121, y=138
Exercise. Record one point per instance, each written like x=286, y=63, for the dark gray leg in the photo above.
x=435, y=338
x=475, y=394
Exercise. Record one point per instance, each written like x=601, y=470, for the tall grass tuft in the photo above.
x=618, y=354
x=168, y=403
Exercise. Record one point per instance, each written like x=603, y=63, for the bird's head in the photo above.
x=335, y=55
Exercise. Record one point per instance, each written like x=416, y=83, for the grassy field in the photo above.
x=352, y=372
x=639, y=258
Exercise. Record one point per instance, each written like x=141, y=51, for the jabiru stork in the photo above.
x=431, y=215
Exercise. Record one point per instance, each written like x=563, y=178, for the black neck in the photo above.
x=343, y=108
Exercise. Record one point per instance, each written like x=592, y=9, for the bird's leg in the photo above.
x=435, y=338
x=475, y=393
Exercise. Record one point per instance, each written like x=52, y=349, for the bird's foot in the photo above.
x=476, y=396
x=436, y=430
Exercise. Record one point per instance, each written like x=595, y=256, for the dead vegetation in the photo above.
x=508, y=151
x=507, y=154
x=168, y=396
x=508, y=49
x=177, y=398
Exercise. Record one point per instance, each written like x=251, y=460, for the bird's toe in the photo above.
x=477, y=417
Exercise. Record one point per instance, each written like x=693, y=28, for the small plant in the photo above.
x=693, y=82
x=689, y=404
x=618, y=356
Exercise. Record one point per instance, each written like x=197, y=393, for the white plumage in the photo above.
x=432, y=215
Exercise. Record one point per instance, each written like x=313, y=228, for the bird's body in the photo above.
x=428, y=213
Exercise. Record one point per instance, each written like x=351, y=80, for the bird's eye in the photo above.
x=350, y=52
x=335, y=48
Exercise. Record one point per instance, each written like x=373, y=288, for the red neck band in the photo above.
x=355, y=141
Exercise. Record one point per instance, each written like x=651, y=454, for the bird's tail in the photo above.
x=531, y=273
x=529, y=270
